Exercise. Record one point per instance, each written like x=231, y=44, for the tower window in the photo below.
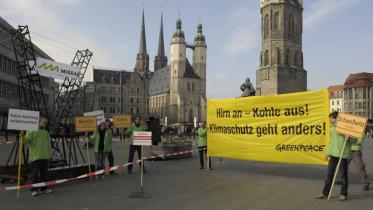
x=266, y=25
x=296, y=58
x=291, y=26
x=266, y=58
x=276, y=21
x=188, y=86
x=192, y=86
x=287, y=57
x=278, y=56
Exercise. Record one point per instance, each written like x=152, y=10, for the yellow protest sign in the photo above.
x=288, y=128
x=83, y=124
x=351, y=125
x=121, y=121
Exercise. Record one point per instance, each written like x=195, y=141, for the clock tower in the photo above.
x=281, y=59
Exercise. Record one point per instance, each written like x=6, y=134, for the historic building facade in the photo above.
x=336, y=98
x=175, y=91
x=358, y=94
x=281, y=59
x=178, y=91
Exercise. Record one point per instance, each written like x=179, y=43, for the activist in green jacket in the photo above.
x=95, y=137
x=202, y=137
x=336, y=145
x=39, y=144
x=129, y=132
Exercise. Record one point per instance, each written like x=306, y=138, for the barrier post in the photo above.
x=88, y=159
x=21, y=136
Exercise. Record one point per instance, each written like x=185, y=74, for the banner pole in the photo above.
x=337, y=169
x=142, y=169
x=122, y=156
x=88, y=159
x=19, y=163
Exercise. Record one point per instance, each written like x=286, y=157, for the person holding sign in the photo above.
x=202, y=144
x=102, y=139
x=333, y=153
x=137, y=126
x=357, y=158
x=39, y=144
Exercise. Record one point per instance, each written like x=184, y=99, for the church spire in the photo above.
x=142, y=58
x=161, y=40
x=160, y=59
x=143, y=37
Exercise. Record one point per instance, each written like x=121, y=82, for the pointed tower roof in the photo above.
x=142, y=49
x=161, y=40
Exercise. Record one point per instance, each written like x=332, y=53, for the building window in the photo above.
x=266, y=25
x=276, y=20
x=137, y=110
x=266, y=58
x=137, y=90
x=332, y=102
x=188, y=86
x=337, y=102
x=278, y=56
x=131, y=101
x=296, y=58
x=192, y=86
x=132, y=111
x=291, y=26
x=287, y=57
x=137, y=100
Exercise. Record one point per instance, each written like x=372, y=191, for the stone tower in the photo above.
x=142, y=58
x=281, y=59
x=160, y=59
x=177, y=70
x=199, y=66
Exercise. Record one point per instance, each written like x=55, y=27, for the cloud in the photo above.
x=320, y=10
x=44, y=21
x=243, y=30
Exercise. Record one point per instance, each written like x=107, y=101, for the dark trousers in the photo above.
x=39, y=173
x=110, y=158
x=133, y=149
x=201, y=151
x=332, y=166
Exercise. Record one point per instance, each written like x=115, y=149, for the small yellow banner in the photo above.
x=84, y=124
x=121, y=121
x=287, y=128
x=351, y=125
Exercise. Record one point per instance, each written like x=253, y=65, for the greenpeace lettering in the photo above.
x=259, y=128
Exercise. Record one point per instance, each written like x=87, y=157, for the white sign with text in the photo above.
x=100, y=118
x=142, y=138
x=23, y=120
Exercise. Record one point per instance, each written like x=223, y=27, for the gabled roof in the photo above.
x=160, y=81
x=189, y=71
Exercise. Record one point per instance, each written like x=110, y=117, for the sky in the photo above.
x=337, y=35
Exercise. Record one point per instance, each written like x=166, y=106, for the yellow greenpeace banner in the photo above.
x=288, y=128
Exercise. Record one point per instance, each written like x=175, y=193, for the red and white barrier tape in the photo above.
x=95, y=173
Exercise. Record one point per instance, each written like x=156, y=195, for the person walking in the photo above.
x=138, y=125
x=40, y=152
x=202, y=145
x=333, y=153
x=357, y=159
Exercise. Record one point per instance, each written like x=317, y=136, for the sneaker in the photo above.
x=321, y=196
x=35, y=193
x=342, y=197
x=366, y=187
x=47, y=191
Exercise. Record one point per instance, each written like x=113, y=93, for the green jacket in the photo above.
x=356, y=146
x=95, y=137
x=129, y=132
x=336, y=145
x=202, y=137
x=39, y=144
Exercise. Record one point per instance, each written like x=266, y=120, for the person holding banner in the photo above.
x=40, y=152
x=202, y=144
x=102, y=139
x=137, y=126
x=333, y=154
